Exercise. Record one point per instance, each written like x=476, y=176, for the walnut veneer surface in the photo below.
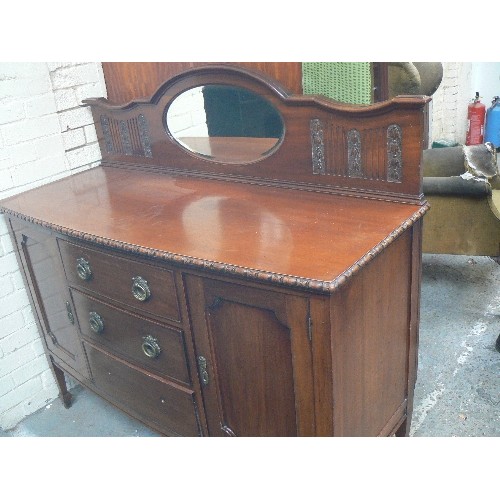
x=276, y=297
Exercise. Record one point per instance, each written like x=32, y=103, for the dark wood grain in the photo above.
x=413, y=338
x=380, y=81
x=127, y=81
x=370, y=344
x=320, y=334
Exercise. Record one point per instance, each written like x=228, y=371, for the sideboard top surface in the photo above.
x=305, y=239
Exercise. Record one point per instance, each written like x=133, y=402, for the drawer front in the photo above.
x=147, y=288
x=154, y=346
x=156, y=403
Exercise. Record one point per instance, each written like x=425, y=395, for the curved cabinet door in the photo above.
x=254, y=359
x=49, y=293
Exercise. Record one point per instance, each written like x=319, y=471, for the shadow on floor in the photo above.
x=88, y=416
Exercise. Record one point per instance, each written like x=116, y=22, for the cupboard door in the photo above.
x=50, y=295
x=254, y=359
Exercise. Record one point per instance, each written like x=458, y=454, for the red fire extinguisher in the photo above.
x=475, y=117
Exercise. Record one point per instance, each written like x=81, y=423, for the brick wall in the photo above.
x=449, y=103
x=44, y=135
x=186, y=115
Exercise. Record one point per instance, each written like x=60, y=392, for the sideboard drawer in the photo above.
x=144, y=396
x=149, y=289
x=154, y=346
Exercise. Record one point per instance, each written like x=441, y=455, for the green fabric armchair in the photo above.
x=462, y=185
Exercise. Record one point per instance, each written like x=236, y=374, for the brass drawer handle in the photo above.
x=96, y=322
x=150, y=347
x=140, y=288
x=83, y=269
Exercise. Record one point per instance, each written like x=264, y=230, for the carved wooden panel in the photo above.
x=318, y=146
x=394, y=160
x=373, y=154
x=128, y=137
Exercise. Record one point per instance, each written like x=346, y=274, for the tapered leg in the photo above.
x=64, y=394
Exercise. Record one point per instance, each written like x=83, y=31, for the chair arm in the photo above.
x=456, y=186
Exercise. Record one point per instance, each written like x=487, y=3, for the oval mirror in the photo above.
x=225, y=123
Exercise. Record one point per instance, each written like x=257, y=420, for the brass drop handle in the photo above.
x=83, y=269
x=150, y=347
x=96, y=322
x=202, y=368
x=140, y=288
x=71, y=316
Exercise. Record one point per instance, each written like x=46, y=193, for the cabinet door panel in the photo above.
x=253, y=359
x=257, y=377
x=50, y=295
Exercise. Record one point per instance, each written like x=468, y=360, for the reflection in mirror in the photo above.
x=225, y=123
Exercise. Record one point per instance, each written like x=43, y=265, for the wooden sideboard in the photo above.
x=209, y=293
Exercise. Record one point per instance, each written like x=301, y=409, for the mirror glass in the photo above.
x=225, y=123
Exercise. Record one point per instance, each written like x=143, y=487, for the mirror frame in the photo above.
x=221, y=160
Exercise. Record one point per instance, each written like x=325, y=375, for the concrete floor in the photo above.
x=458, y=385
x=458, y=380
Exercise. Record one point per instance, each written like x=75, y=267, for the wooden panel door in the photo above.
x=49, y=294
x=254, y=359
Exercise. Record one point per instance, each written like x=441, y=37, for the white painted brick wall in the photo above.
x=449, y=103
x=186, y=116
x=44, y=135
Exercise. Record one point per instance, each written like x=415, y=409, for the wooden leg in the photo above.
x=416, y=277
x=64, y=394
x=404, y=428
